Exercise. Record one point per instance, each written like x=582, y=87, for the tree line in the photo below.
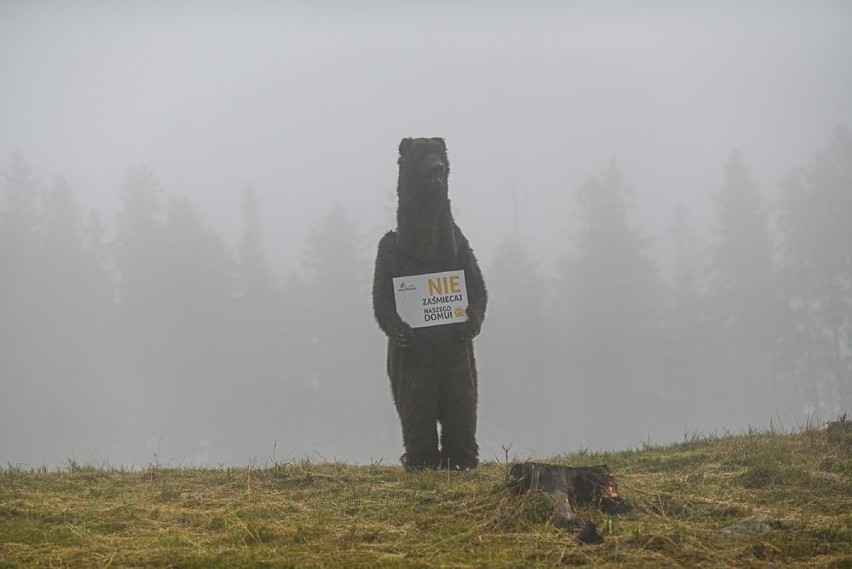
x=754, y=329
x=159, y=336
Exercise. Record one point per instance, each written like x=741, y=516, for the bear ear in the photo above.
x=441, y=142
x=405, y=145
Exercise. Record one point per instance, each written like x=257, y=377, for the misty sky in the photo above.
x=308, y=101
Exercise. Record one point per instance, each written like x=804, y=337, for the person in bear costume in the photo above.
x=432, y=370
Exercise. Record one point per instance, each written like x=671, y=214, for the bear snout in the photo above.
x=436, y=173
x=437, y=170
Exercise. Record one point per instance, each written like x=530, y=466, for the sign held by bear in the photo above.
x=431, y=299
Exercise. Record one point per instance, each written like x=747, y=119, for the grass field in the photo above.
x=302, y=514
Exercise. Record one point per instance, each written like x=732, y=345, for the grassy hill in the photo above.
x=794, y=490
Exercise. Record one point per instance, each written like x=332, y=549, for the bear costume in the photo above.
x=432, y=370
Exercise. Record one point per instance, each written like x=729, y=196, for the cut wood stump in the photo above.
x=567, y=486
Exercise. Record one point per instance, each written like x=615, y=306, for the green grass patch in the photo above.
x=685, y=499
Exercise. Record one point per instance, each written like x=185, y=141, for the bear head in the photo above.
x=423, y=169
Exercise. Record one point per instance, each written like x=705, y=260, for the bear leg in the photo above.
x=417, y=393
x=457, y=413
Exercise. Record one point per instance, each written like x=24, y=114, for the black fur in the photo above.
x=432, y=370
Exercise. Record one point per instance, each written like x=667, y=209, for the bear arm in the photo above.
x=477, y=295
x=384, y=302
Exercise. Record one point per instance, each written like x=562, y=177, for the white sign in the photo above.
x=430, y=300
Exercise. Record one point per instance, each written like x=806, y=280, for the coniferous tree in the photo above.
x=198, y=276
x=22, y=352
x=337, y=286
x=264, y=351
x=687, y=258
x=298, y=390
x=345, y=355
x=139, y=317
x=608, y=303
x=176, y=286
x=75, y=261
x=20, y=233
x=258, y=279
x=139, y=245
x=52, y=324
x=687, y=361
x=743, y=250
x=815, y=215
x=515, y=349
x=66, y=300
x=97, y=257
x=76, y=307
x=745, y=307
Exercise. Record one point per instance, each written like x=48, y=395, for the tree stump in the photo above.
x=567, y=485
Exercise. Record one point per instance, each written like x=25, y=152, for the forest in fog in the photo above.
x=659, y=195
x=143, y=335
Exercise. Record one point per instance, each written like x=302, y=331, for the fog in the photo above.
x=191, y=194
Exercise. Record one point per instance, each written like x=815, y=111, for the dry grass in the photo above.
x=302, y=514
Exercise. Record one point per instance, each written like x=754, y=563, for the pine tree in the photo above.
x=176, y=292
x=52, y=326
x=265, y=353
x=815, y=216
x=345, y=356
x=687, y=258
x=686, y=368
x=66, y=294
x=257, y=277
x=22, y=351
x=745, y=306
x=743, y=250
x=22, y=275
x=140, y=241
x=515, y=348
x=20, y=232
x=608, y=301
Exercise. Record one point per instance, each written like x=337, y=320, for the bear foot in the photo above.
x=415, y=463
x=458, y=463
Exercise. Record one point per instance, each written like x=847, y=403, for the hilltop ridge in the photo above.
x=752, y=499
